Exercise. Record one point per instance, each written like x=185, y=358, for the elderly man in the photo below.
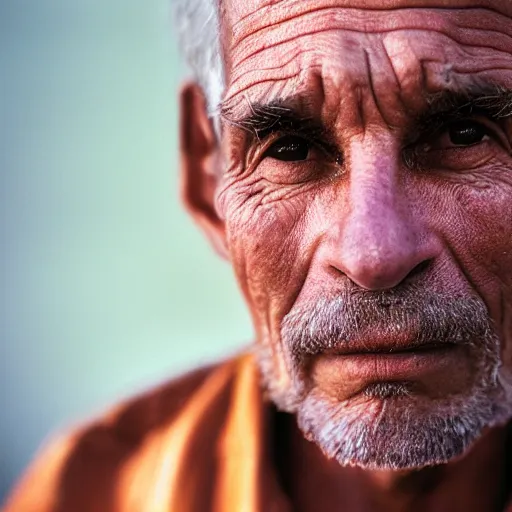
x=353, y=161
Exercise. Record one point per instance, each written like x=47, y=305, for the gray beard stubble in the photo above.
x=389, y=429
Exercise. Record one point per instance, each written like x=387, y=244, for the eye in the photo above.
x=289, y=148
x=461, y=144
x=466, y=133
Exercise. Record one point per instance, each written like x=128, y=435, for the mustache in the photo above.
x=410, y=315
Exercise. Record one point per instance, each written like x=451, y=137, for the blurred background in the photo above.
x=107, y=287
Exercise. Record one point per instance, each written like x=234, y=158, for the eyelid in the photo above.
x=263, y=154
x=315, y=141
x=492, y=125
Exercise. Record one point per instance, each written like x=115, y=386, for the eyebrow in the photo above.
x=282, y=115
x=490, y=100
x=289, y=114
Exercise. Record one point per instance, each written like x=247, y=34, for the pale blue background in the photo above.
x=107, y=287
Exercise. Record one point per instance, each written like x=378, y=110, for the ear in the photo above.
x=200, y=156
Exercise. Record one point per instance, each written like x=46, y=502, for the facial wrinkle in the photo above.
x=285, y=10
x=403, y=106
x=409, y=71
x=293, y=68
x=290, y=62
x=440, y=74
x=273, y=355
x=312, y=249
x=372, y=85
x=367, y=22
x=281, y=49
x=404, y=111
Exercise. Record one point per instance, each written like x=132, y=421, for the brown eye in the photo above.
x=466, y=133
x=289, y=149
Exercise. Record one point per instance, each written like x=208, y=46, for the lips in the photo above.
x=380, y=343
x=436, y=367
x=389, y=348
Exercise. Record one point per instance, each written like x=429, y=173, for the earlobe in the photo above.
x=199, y=151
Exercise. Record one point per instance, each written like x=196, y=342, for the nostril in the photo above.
x=420, y=268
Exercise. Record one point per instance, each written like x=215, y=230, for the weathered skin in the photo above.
x=294, y=231
x=366, y=74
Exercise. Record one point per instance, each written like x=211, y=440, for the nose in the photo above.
x=381, y=240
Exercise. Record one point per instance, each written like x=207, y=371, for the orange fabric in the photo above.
x=199, y=444
x=194, y=445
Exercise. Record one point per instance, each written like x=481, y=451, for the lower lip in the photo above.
x=381, y=367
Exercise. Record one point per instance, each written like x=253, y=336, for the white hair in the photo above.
x=198, y=32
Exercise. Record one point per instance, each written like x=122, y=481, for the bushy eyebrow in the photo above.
x=492, y=101
x=278, y=116
x=284, y=115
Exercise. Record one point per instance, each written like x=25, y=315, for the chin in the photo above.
x=399, y=430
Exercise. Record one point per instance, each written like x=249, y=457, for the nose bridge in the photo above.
x=380, y=237
x=373, y=192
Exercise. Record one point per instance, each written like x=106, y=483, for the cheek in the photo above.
x=483, y=244
x=487, y=233
x=494, y=254
x=270, y=246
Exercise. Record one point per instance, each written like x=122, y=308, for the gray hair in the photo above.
x=198, y=32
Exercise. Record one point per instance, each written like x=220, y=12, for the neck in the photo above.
x=475, y=482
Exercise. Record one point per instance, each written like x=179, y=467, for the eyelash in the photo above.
x=313, y=140
x=438, y=128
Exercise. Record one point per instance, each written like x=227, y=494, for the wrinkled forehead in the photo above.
x=243, y=8
x=241, y=15
x=272, y=47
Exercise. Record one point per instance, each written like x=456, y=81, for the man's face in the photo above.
x=367, y=200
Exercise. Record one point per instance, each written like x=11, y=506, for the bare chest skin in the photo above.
x=378, y=192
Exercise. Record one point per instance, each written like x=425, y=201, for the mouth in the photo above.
x=389, y=364
x=389, y=348
x=436, y=367
x=382, y=342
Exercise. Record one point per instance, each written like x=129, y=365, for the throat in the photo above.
x=477, y=482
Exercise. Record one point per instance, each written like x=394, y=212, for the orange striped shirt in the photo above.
x=196, y=444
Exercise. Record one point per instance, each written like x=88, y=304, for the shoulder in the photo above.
x=84, y=469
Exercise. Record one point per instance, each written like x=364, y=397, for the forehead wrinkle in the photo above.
x=430, y=83
x=293, y=60
x=252, y=16
x=300, y=86
x=463, y=62
x=292, y=64
x=288, y=10
x=462, y=27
